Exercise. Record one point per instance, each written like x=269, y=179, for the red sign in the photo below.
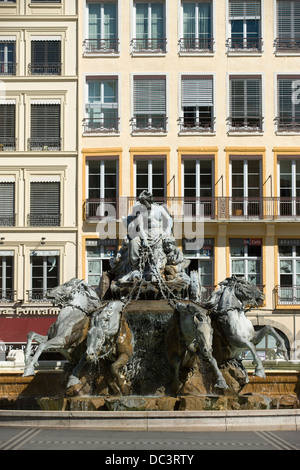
x=253, y=241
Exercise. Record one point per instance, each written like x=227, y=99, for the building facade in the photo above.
x=38, y=161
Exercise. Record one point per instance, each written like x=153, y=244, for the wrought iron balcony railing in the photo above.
x=7, y=220
x=37, y=295
x=7, y=144
x=151, y=45
x=53, y=68
x=105, y=46
x=7, y=295
x=244, y=44
x=205, y=44
x=245, y=124
x=44, y=144
x=97, y=209
x=101, y=125
x=287, y=45
x=285, y=124
x=153, y=124
x=44, y=220
x=8, y=68
x=197, y=126
x=287, y=295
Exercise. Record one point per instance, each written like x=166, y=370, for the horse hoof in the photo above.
x=259, y=373
x=73, y=381
x=28, y=372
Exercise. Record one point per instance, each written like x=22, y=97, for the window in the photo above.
x=197, y=104
x=7, y=203
x=288, y=119
x=45, y=57
x=201, y=260
x=7, y=56
x=288, y=26
x=245, y=104
x=7, y=126
x=198, y=187
x=102, y=28
x=44, y=274
x=98, y=254
x=102, y=106
x=267, y=347
x=196, y=27
x=6, y=276
x=150, y=176
x=289, y=183
x=289, y=271
x=7, y=1
x=45, y=1
x=102, y=188
x=149, y=104
x=44, y=203
x=149, y=27
x=244, y=26
x=45, y=127
x=246, y=257
x=246, y=188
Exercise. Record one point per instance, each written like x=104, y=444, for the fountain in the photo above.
x=146, y=340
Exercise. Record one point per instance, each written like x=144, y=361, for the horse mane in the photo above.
x=224, y=298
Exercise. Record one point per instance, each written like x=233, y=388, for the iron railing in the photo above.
x=44, y=220
x=97, y=209
x=244, y=44
x=245, y=124
x=37, y=295
x=8, y=220
x=44, y=144
x=8, y=68
x=7, y=295
x=7, y=144
x=53, y=68
x=106, y=46
x=285, y=124
x=197, y=125
x=153, y=124
x=154, y=45
x=287, y=45
x=205, y=44
x=101, y=125
x=287, y=295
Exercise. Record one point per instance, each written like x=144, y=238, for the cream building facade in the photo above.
x=197, y=101
x=38, y=160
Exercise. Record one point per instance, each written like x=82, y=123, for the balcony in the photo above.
x=45, y=69
x=152, y=45
x=247, y=45
x=8, y=68
x=154, y=124
x=7, y=295
x=196, y=45
x=43, y=220
x=37, y=295
x=7, y=220
x=287, y=295
x=50, y=144
x=287, y=124
x=7, y=144
x=101, y=46
x=197, y=126
x=287, y=45
x=245, y=124
x=101, y=125
x=97, y=209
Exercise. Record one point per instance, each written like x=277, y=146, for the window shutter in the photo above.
x=45, y=121
x=197, y=91
x=7, y=203
x=245, y=97
x=149, y=95
x=7, y=123
x=287, y=106
x=288, y=19
x=44, y=203
x=244, y=9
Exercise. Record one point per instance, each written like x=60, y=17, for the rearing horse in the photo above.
x=227, y=306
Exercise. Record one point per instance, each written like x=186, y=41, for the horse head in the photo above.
x=248, y=293
x=75, y=293
x=195, y=326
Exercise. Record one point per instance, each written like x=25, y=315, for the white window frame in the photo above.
x=246, y=258
x=245, y=202
x=213, y=28
x=85, y=6
x=133, y=27
x=150, y=173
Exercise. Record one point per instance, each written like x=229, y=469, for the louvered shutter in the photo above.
x=289, y=108
x=45, y=124
x=244, y=9
x=245, y=97
x=197, y=91
x=7, y=203
x=149, y=96
x=288, y=19
x=44, y=203
x=7, y=124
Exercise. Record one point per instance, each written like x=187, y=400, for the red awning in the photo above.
x=15, y=330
